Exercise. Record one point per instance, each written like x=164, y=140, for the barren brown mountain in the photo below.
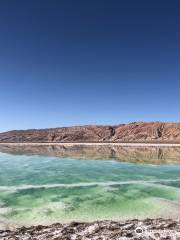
x=132, y=132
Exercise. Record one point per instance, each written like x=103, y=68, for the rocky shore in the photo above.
x=100, y=230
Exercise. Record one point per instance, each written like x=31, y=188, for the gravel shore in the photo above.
x=102, y=230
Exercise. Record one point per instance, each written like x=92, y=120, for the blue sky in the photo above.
x=79, y=62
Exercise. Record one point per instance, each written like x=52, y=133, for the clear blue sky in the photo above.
x=78, y=62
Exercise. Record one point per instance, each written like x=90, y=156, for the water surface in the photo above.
x=43, y=189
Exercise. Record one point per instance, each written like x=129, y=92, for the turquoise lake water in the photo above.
x=42, y=189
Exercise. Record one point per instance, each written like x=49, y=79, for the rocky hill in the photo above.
x=132, y=132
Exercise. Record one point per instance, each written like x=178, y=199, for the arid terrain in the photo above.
x=133, y=132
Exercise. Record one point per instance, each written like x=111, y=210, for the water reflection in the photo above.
x=155, y=155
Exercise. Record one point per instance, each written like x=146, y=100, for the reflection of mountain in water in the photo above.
x=132, y=154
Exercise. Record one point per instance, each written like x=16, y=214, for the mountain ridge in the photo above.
x=131, y=132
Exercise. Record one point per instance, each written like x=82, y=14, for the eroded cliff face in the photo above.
x=133, y=132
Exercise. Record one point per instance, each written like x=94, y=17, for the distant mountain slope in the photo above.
x=133, y=132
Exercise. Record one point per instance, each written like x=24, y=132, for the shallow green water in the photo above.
x=40, y=189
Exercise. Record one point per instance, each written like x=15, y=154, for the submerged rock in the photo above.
x=100, y=230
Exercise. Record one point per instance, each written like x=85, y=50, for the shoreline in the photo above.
x=123, y=144
x=114, y=230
